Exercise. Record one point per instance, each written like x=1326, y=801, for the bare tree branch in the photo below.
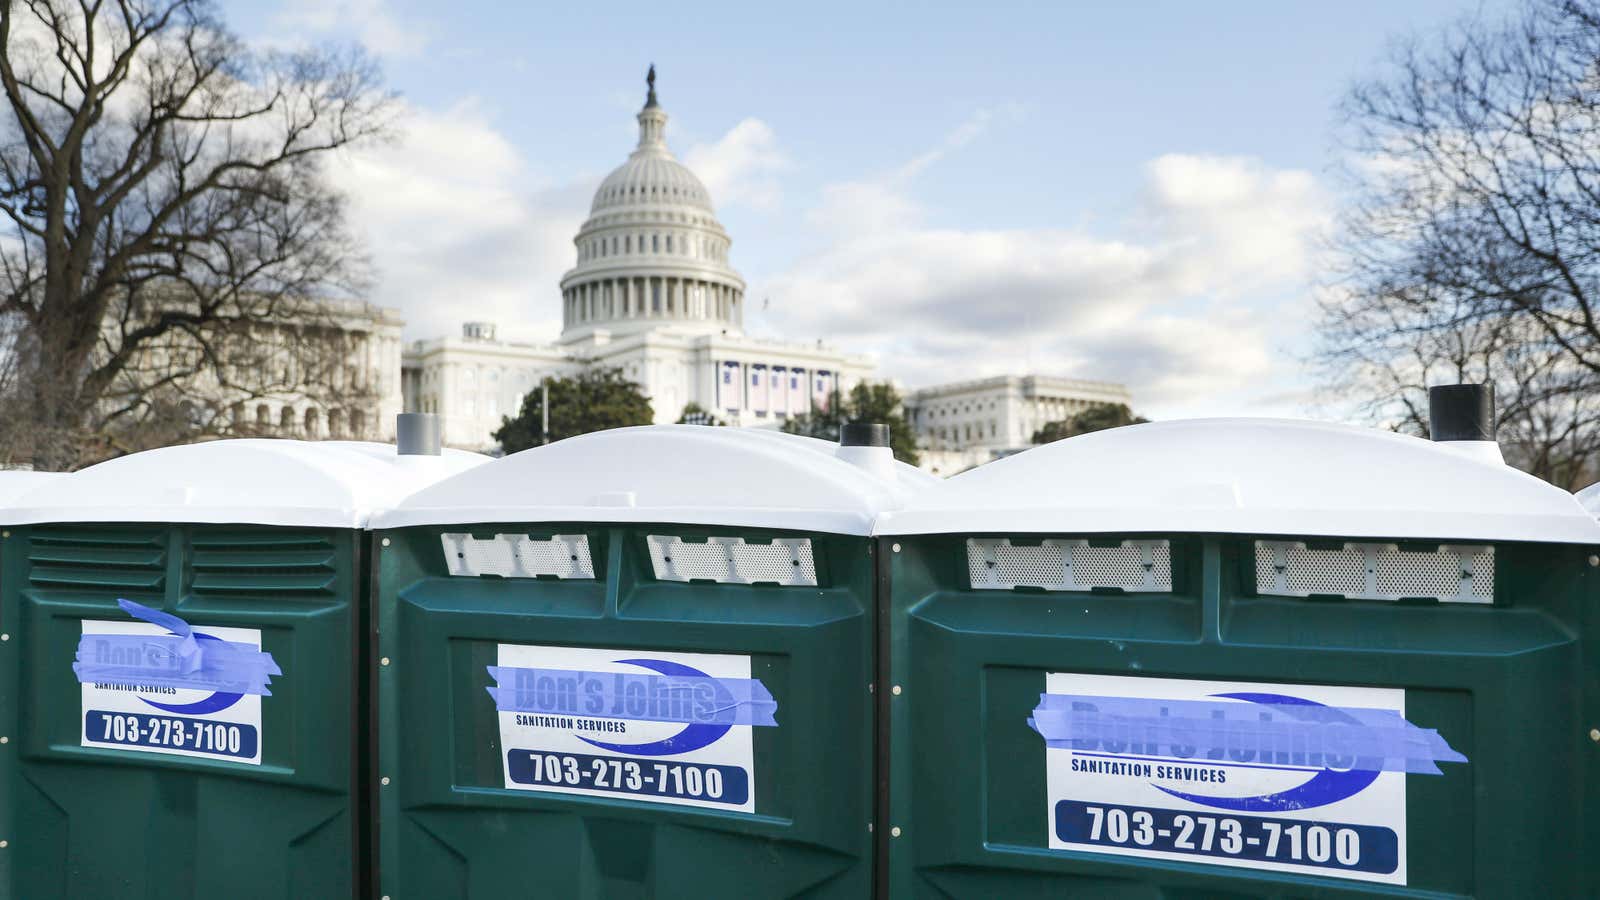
x=163, y=195
x=1472, y=248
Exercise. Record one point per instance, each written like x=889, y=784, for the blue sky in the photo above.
x=1128, y=191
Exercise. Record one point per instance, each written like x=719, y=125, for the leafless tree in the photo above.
x=1473, y=247
x=162, y=183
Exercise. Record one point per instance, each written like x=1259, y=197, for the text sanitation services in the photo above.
x=568, y=723
x=1145, y=770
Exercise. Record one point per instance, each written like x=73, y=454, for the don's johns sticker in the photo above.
x=148, y=689
x=1282, y=777
x=653, y=726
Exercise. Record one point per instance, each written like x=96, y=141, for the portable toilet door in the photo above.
x=1243, y=658
x=634, y=663
x=179, y=664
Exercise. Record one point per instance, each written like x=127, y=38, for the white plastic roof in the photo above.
x=14, y=483
x=690, y=474
x=322, y=484
x=1249, y=476
x=1590, y=498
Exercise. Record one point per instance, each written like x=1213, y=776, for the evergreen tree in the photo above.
x=593, y=400
x=1096, y=418
x=695, y=414
x=873, y=402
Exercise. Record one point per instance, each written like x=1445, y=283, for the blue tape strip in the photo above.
x=182, y=659
x=696, y=699
x=1269, y=729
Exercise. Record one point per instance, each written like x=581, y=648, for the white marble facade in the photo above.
x=967, y=423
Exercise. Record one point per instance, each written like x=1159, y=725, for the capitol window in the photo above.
x=669, y=243
x=655, y=243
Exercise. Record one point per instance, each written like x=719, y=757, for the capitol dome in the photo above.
x=651, y=176
x=652, y=252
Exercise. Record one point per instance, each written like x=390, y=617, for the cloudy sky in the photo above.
x=1130, y=193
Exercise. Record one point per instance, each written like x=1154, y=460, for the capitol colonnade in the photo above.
x=653, y=297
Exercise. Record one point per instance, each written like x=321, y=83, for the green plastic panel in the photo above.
x=89, y=823
x=1514, y=686
x=449, y=828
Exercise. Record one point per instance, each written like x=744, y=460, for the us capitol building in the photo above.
x=654, y=295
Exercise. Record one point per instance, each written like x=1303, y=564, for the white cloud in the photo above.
x=1233, y=217
x=874, y=205
x=1189, y=304
x=742, y=167
x=457, y=229
x=959, y=137
x=1175, y=309
x=862, y=208
x=461, y=227
x=370, y=21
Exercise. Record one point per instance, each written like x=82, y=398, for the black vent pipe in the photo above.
x=1461, y=412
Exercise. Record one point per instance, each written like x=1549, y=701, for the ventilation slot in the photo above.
x=1137, y=567
x=1450, y=574
x=729, y=560
x=119, y=561
x=278, y=563
x=519, y=556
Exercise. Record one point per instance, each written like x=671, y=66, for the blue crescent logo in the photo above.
x=692, y=737
x=217, y=702
x=1325, y=787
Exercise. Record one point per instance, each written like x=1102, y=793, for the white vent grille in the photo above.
x=1451, y=574
x=729, y=560
x=519, y=556
x=994, y=564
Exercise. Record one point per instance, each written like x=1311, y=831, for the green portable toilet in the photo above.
x=1243, y=658
x=179, y=640
x=636, y=663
